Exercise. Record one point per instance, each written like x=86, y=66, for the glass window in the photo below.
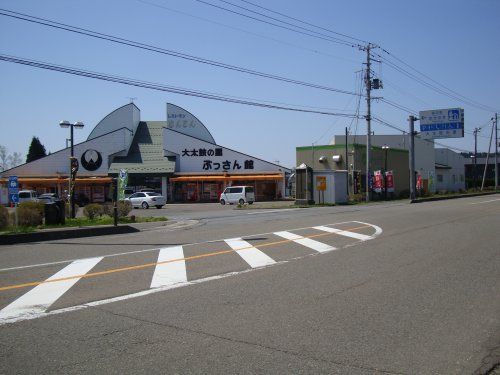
x=249, y=189
x=237, y=190
x=440, y=178
x=24, y=194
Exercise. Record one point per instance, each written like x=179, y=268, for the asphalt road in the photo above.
x=390, y=288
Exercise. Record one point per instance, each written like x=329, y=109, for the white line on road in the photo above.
x=171, y=272
x=492, y=200
x=8, y=319
x=39, y=299
x=270, y=211
x=358, y=236
x=250, y=254
x=307, y=242
x=378, y=231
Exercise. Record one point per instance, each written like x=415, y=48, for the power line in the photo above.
x=341, y=41
x=151, y=48
x=158, y=87
x=450, y=94
x=329, y=39
x=304, y=22
x=436, y=82
x=315, y=51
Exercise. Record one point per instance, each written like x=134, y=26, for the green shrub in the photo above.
x=107, y=209
x=38, y=206
x=124, y=208
x=4, y=217
x=91, y=211
x=28, y=215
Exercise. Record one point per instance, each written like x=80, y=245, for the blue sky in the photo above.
x=455, y=42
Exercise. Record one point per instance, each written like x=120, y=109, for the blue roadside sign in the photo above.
x=13, y=189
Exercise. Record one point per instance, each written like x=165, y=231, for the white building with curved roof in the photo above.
x=178, y=157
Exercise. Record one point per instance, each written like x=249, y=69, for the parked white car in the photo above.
x=147, y=199
x=237, y=194
x=27, y=196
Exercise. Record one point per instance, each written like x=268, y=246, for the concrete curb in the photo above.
x=432, y=199
x=59, y=234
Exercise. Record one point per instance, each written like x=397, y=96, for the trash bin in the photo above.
x=61, y=205
x=51, y=213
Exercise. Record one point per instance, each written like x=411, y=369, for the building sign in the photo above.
x=91, y=160
x=321, y=183
x=442, y=123
x=389, y=177
x=182, y=121
x=217, y=164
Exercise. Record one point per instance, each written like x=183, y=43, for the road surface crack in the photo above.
x=244, y=342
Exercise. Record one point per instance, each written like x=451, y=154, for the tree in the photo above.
x=36, y=150
x=7, y=160
x=4, y=158
x=15, y=159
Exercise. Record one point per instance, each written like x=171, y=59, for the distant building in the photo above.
x=450, y=170
x=477, y=170
x=177, y=157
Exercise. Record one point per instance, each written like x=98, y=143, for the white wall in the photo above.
x=452, y=179
x=58, y=162
x=178, y=143
x=424, y=149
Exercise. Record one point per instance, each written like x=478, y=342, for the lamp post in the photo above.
x=73, y=164
x=385, y=148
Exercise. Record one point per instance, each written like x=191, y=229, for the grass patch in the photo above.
x=84, y=222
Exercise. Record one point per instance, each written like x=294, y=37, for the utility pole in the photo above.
x=412, y=158
x=368, y=84
x=476, y=130
x=347, y=160
x=496, y=151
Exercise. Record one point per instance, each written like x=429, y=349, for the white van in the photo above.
x=237, y=194
x=27, y=196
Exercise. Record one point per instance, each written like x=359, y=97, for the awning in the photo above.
x=255, y=177
x=55, y=180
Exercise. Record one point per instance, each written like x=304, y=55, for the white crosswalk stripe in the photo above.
x=312, y=244
x=41, y=297
x=250, y=254
x=359, y=236
x=171, y=267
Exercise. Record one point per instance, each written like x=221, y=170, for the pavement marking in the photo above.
x=172, y=272
x=271, y=211
x=156, y=249
x=492, y=200
x=153, y=264
x=312, y=244
x=41, y=297
x=358, y=236
x=250, y=254
x=39, y=311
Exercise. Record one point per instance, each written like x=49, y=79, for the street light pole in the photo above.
x=73, y=163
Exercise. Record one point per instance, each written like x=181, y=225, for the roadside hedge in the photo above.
x=4, y=217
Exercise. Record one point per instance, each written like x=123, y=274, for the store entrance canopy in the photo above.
x=255, y=177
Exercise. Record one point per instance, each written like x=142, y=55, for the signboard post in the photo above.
x=14, y=194
x=122, y=183
x=442, y=123
x=321, y=186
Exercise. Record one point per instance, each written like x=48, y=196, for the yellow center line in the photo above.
x=148, y=265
